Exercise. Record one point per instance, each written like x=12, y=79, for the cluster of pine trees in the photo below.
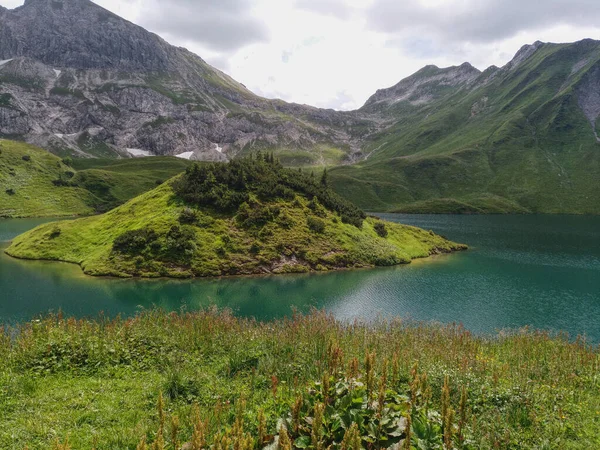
x=225, y=187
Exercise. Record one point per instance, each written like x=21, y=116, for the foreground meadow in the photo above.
x=210, y=380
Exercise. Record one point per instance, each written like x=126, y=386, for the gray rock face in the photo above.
x=82, y=79
x=58, y=32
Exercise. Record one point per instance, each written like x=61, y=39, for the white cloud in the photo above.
x=336, y=53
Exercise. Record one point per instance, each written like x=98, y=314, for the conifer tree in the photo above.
x=324, y=179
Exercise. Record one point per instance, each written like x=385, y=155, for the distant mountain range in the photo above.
x=521, y=138
x=77, y=79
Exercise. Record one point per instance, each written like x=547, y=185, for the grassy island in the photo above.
x=250, y=216
x=209, y=380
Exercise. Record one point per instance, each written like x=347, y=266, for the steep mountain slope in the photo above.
x=246, y=217
x=521, y=138
x=75, y=78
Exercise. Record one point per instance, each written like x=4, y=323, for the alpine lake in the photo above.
x=540, y=271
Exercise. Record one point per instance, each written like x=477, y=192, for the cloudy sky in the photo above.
x=336, y=53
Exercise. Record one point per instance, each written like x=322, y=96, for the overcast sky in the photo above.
x=336, y=53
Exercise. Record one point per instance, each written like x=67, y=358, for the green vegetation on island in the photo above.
x=250, y=216
x=212, y=381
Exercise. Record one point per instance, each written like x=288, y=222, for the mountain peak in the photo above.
x=425, y=85
x=80, y=34
x=524, y=53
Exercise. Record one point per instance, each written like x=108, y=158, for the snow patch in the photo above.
x=218, y=148
x=137, y=152
x=57, y=72
x=185, y=155
x=62, y=136
x=5, y=61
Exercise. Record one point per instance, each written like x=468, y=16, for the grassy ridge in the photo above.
x=27, y=188
x=519, y=142
x=97, y=383
x=160, y=234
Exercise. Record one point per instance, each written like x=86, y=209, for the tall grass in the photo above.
x=209, y=379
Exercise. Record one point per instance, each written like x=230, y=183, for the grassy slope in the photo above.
x=529, y=149
x=113, y=182
x=98, y=382
x=31, y=181
x=224, y=248
x=97, y=184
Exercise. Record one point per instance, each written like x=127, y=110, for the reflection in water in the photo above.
x=542, y=271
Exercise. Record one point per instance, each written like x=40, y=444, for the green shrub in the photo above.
x=317, y=208
x=316, y=225
x=60, y=182
x=256, y=216
x=134, y=241
x=68, y=161
x=255, y=248
x=179, y=244
x=10, y=191
x=348, y=413
x=381, y=230
x=55, y=233
x=26, y=158
x=188, y=217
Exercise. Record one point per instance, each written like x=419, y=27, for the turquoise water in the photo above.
x=539, y=271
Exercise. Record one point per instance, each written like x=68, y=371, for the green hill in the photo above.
x=32, y=184
x=113, y=182
x=246, y=217
x=35, y=183
x=522, y=138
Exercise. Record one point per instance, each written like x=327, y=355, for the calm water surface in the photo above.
x=542, y=271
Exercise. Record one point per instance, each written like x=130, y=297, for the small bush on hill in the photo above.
x=256, y=216
x=177, y=245
x=10, y=191
x=26, y=158
x=316, y=225
x=317, y=208
x=61, y=182
x=134, y=241
x=188, y=216
x=381, y=230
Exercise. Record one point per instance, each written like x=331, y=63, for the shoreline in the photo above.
x=436, y=253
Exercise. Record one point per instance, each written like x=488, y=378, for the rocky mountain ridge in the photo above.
x=76, y=78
